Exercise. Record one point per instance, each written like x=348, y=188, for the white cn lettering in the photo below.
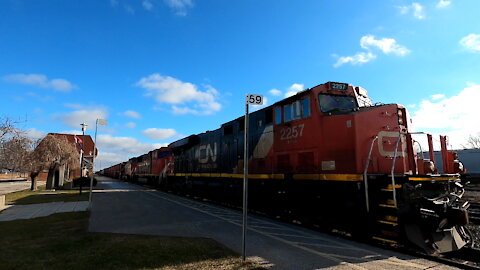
x=205, y=153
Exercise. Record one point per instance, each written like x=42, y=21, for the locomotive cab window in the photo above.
x=268, y=116
x=278, y=115
x=330, y=103
x=297, y=110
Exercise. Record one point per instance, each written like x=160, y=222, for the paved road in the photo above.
x=125, y=208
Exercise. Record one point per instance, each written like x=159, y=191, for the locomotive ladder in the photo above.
x=384, y=211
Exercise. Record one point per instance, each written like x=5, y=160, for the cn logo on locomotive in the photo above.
x=205, y=152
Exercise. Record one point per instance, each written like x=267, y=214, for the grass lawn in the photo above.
x=61, y=241
x=43, y=196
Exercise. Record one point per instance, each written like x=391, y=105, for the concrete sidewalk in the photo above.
x=14, y=212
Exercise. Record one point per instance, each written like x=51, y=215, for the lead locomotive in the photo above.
x=325, y=156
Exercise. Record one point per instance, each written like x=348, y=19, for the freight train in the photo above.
x=326, y=156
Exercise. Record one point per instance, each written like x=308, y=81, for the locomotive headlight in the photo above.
x=400, y=117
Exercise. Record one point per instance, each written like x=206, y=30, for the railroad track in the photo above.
x=474, y=213
x=466, y=258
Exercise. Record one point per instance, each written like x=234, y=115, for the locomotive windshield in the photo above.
x=329, y=103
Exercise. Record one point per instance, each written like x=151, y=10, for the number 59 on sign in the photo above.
x=255, y=99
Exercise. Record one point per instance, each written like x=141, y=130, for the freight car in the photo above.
x=150, y=168
x=330, y=157
x=114, y=171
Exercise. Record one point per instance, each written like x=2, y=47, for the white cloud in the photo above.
x=437, y=96
x=159, y=133
x=443, y=3
x=386, y=45
x=357, y=59
x=131, y=125
x=453, y=116
x=183, y=110
x=180, y=7
x=113, y=150
x=105, y=159
x=88, y=115
x=275, y=92
x=35, y=134
x=114, y=3
x=415, y=9
x=290, y=91
x=369, y=43
x=471, y=42
x=295, y=88
x=131, y=114
x=147, y=5
x=166, y=89
x=40, y=80
x=127, y=145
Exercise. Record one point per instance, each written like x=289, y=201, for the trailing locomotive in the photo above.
x=330, y=157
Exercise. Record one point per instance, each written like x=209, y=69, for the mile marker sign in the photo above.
x=255, y=99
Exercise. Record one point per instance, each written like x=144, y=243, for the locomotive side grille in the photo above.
x=306, y=162
x=283, y=162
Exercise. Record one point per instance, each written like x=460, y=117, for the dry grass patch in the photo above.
x=43, y=196
x=61, y=241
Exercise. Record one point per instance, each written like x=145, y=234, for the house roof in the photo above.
x=78, y=140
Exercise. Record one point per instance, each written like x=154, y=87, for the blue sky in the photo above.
x=158, y=70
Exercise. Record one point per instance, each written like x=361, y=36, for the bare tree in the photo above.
x=14, y=152
x=473, y=142
x=7, y=128
x=51, y=153
x=14, y=145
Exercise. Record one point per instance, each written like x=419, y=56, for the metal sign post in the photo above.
x=256, y=100
x=102, y=122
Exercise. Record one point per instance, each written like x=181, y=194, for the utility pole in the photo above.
x=84, y=127
x=102, y=122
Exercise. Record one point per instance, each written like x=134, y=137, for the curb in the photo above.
x=13, y=180
x=2, y=202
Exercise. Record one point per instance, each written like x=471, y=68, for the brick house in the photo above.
x=63, y=174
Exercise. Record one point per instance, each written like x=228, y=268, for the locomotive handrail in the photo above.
x=365, y=173
x=420, y=146
x=394, y=190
